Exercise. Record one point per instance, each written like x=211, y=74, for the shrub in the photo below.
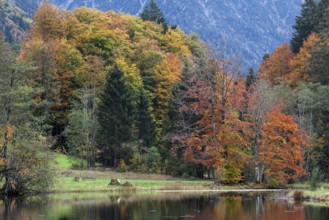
x=151, y=160
x=123, y=167
x=27, y=162
x=148, y=162
x=274, y=182
x=230, y=174
x=135, y=162
x=298, y=195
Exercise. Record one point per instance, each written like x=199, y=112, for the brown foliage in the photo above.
x=276, y=67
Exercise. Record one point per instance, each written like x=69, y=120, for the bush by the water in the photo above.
x=298, y=195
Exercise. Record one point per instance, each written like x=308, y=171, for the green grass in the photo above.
x=64, y=180
x=67, y=184
x=62, y=161
x=322, y=185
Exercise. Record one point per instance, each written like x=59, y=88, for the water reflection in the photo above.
x=219, y=206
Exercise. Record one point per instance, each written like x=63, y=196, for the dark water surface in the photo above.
x=169, y=205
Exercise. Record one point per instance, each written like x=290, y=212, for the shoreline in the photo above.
x=164, y=191
x=319, y=197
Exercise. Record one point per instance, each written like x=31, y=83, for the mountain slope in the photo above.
x=13, y=21
x=250, y=28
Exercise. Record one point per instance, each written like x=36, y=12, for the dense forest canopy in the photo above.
x=73, y=54
x=142, y=96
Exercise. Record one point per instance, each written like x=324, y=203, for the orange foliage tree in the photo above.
x=281, y=149
x=276, y=66
x=218, y=139
x=299, y=64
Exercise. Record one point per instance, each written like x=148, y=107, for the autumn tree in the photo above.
x=159, y=73
x=185, y=112
x=214, y=140
x=276, y=66
x=281, y=149
x=299, y=65
x=57, y=62
x=307, y=74
x=165, y=77
x=262, y=99
x=48, y=23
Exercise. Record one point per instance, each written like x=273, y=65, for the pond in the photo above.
x=162, y=205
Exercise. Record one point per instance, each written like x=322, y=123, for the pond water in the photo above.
x=168, y=205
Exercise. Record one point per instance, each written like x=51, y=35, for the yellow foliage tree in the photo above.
x=299, y=64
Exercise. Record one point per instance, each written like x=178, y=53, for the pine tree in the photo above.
x=323, y=24
x=304, y=25
x=322, y=14
x=116, y=114
x=145, y=121
x=251, y=78
x=319, y=68
x=153, y=13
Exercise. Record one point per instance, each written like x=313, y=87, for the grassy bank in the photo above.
x=304, y=192
x=70, y=179
x=74, y=180
x=68, y=184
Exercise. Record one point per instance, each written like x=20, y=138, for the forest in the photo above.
x=137, y=94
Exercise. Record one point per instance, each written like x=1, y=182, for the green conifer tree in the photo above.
x=116, y=116
x=323, y=23
x=321, y=14
x=251, y=78
x=145, y=121
x=153, y=13
x=304, y=24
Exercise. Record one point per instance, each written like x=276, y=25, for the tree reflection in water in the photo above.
x=219, y=206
